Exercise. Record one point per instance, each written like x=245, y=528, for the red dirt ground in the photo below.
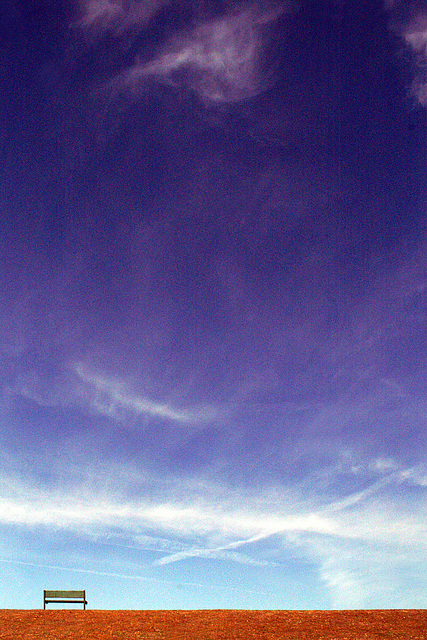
x=402, y=624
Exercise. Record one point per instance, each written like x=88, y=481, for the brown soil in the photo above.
x=402, y=624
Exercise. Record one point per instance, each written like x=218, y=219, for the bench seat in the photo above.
x=68, y=597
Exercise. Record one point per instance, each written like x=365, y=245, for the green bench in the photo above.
x=64, y=596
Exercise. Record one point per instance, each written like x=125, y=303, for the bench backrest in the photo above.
x=64, y=594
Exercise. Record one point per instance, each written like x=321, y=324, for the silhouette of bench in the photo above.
x=69, y=597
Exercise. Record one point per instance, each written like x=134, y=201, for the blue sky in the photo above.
x=213, y=303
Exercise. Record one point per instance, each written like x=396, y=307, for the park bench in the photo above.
x=64, y=596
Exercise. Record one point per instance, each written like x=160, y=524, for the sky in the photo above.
x=213, y=303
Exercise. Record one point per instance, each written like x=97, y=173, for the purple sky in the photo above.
x=213, y=303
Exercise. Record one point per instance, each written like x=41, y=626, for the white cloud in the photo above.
x=415, y=475
x=415, y=36
x=117, y=16
x=413, y=32
x=343, y=583
x=384, y=465
x=85, y=507
x=111, y=398
x=221, y=60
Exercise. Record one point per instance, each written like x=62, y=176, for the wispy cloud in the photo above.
x=415, y=36
x=110, y=397
x=410, y=21
x=87, y=510
x=117, y=16
x=343, y=583
x=221, y=59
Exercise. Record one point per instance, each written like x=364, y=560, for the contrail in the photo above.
x=127, y=576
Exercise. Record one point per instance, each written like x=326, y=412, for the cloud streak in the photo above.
x=94, y=513
x=126, y=576
x=111, y=398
